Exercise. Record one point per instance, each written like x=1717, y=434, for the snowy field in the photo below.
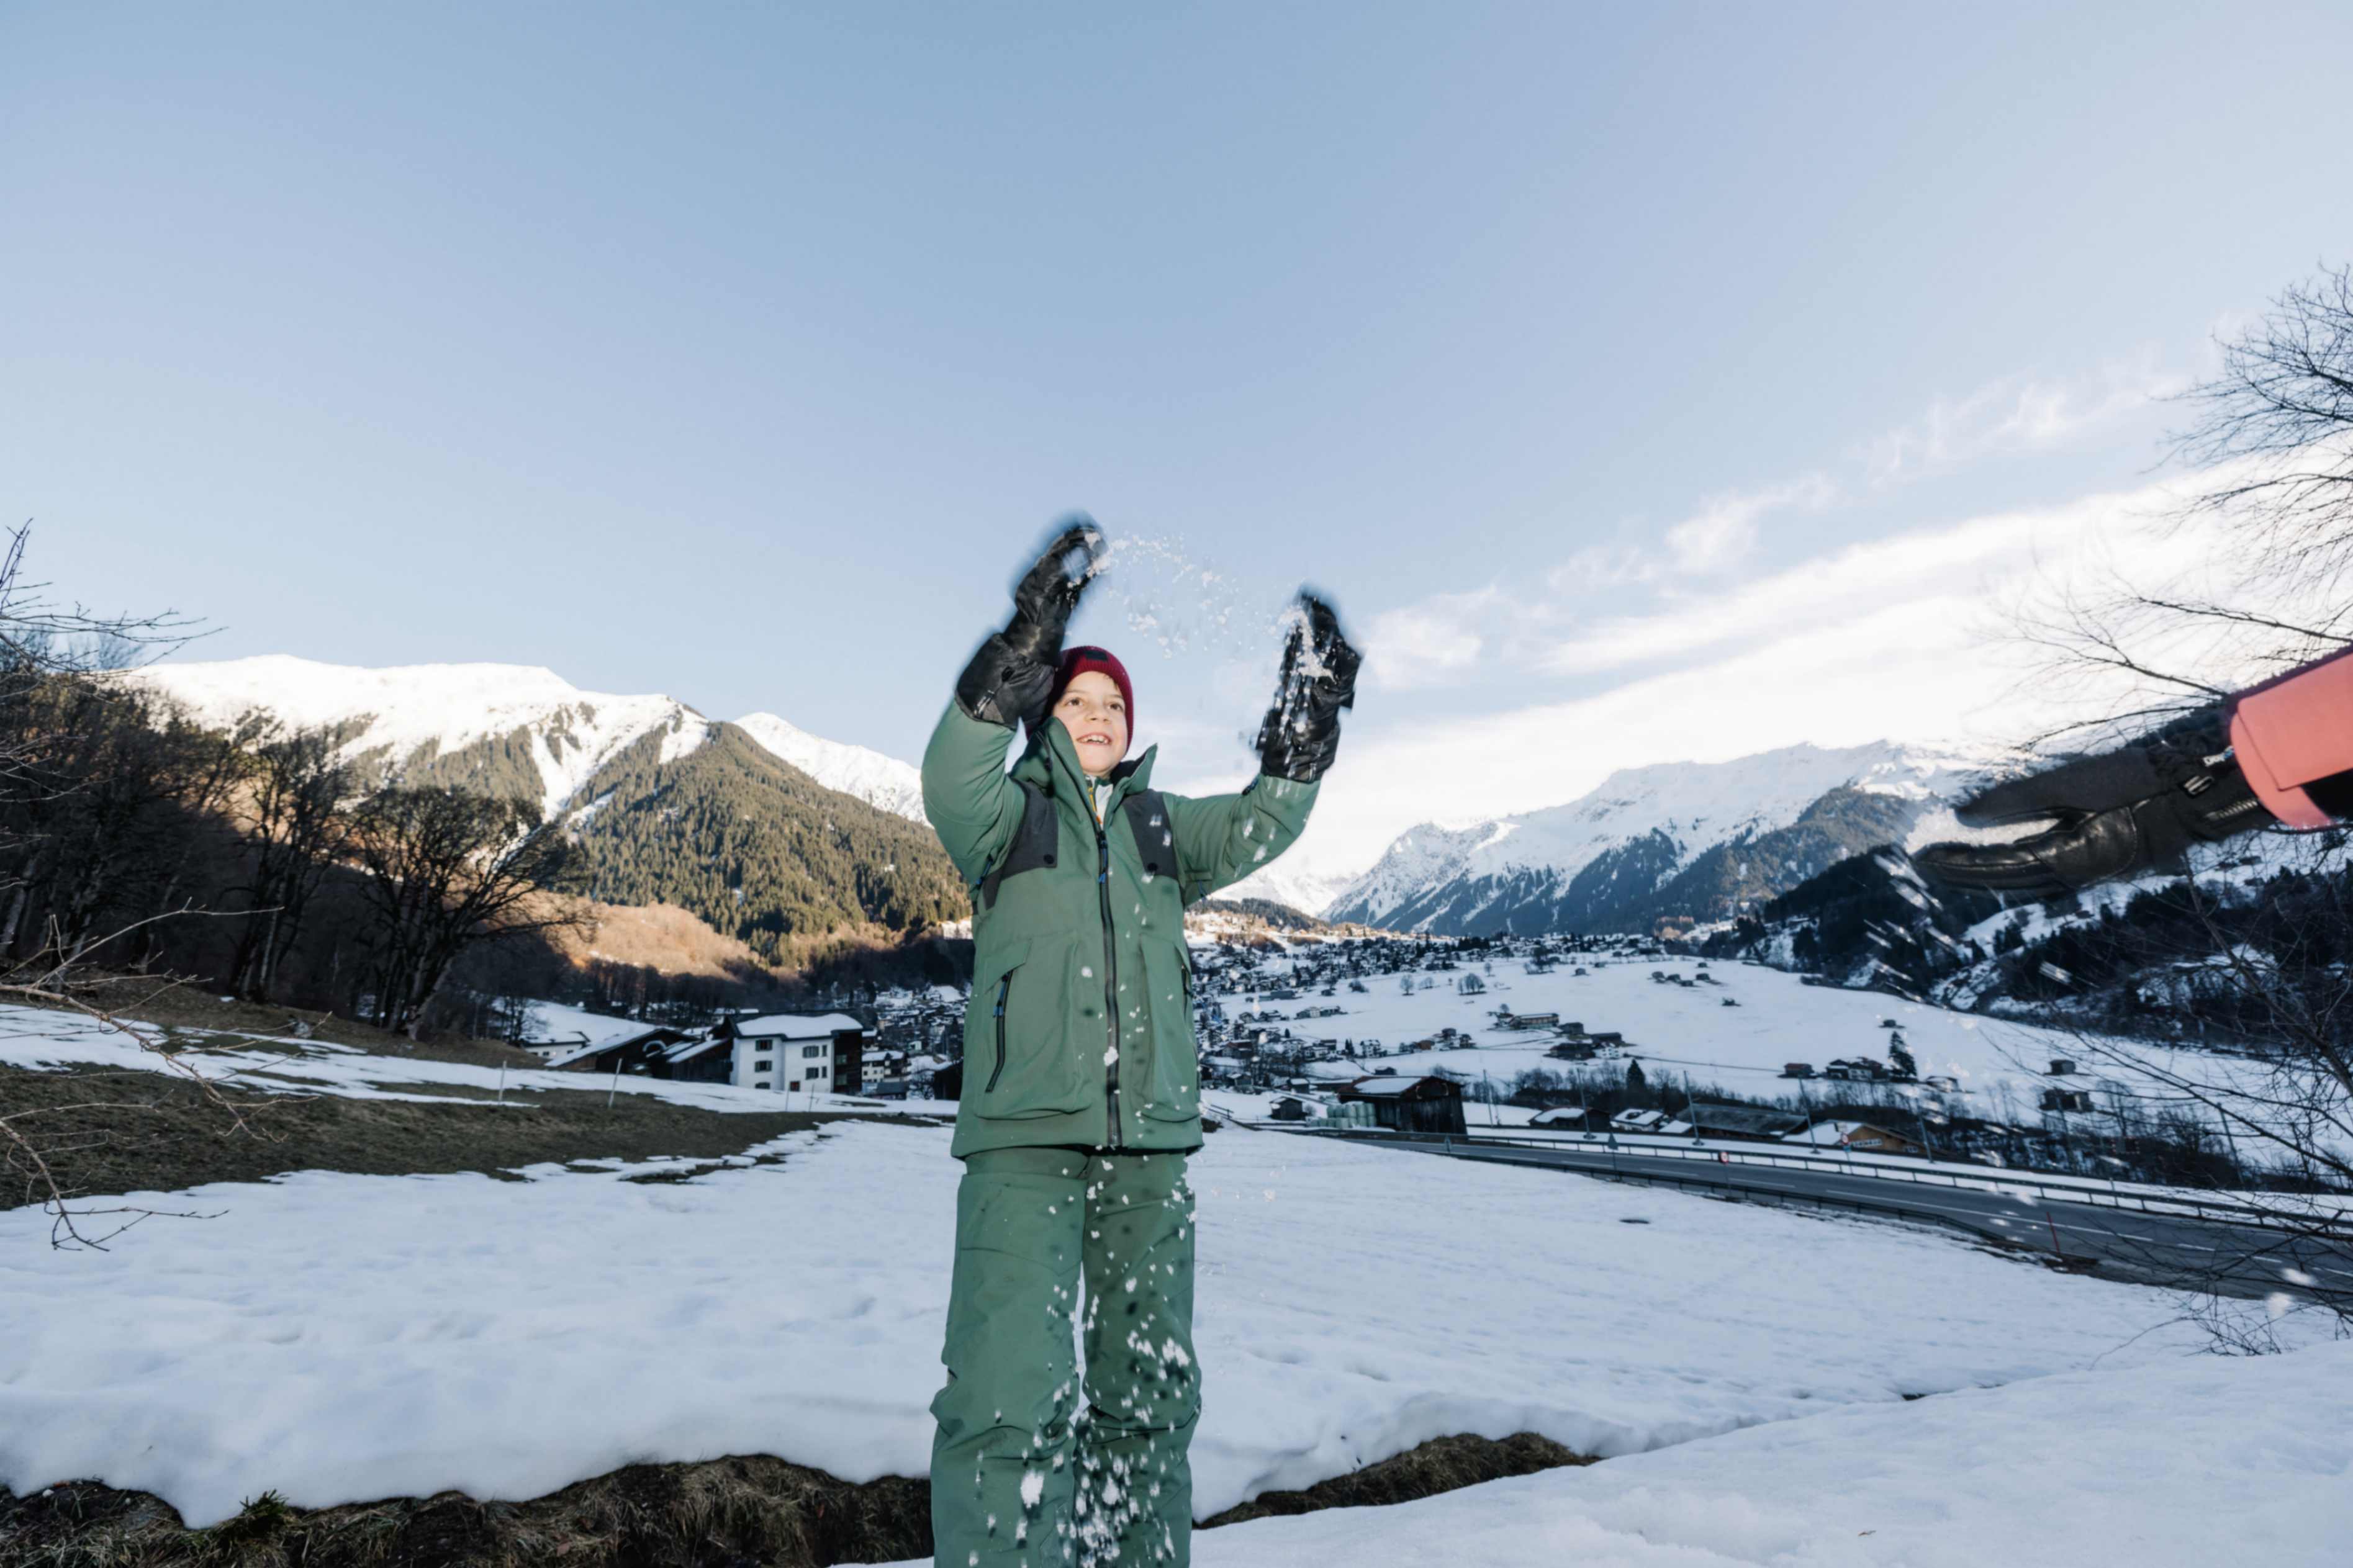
x=341, y=1337
x=2194, y=1464
x=1998, y=1063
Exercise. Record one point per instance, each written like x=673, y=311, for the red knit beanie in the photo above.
x=1077, y=661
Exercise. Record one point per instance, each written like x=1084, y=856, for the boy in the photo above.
x=1080, y=1098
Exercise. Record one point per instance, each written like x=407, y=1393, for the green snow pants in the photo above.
x=1032, y=1468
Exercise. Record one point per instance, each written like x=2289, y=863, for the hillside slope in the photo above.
x=755, y=846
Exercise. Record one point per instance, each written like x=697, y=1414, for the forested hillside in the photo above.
x=755, y=846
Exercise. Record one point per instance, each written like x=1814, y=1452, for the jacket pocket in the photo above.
x=1019, y=1057
x=1175, y=1083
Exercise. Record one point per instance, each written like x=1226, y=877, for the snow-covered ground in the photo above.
x=37, y=1038
x=339, y=1337
x=2193, y=1464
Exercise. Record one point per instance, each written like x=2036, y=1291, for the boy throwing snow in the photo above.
x=1081, y=1093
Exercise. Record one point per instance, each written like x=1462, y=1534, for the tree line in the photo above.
x=133, y=838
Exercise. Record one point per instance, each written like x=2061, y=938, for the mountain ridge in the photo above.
x=1670, y=840
x=665, y=805
x=417, y=716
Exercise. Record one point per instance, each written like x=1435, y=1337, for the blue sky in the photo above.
x=1643, y=381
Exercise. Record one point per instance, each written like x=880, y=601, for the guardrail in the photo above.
x=1891, y=1207
x=2163, y=1201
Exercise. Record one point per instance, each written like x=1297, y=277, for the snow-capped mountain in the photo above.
x=533, y=723
x=1308, y=891
x=1696, y=838
x=767, y=833
x=880, y=781
x=523, y=727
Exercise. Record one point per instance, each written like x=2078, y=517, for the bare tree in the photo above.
x=2285, y=398
x=2265, y=976
x=87, y=780
x=2270, y=449
x=295, y=828
x=447, y=869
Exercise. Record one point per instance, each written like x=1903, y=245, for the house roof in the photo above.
x=1757, y=1118
x=796, y=1026
x=1388, y=1087
x=1832, y=1131
x=553, y=1023
x=588, y=1048
x=1334, y=1071
x=687, y=1050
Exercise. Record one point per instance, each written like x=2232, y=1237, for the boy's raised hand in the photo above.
x=1011, y=676
x=1049, y=591
x=1300, y=731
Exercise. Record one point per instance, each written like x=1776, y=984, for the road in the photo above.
x=2232, y=1259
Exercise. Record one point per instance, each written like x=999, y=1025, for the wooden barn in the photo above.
x=1409, y=1104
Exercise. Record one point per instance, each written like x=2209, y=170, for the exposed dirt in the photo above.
x=127, y=1132
x=723, y=1513
x=1440, y=1465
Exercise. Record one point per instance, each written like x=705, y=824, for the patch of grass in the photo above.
x=255, y=1527
x=723, y=1513
x=190, y=1013
x=687, y=1172
x=128, y=1132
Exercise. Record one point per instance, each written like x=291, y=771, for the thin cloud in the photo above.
x=2016, y=413
x=1443, y=640
x=1723, y=533
x=1430, y=643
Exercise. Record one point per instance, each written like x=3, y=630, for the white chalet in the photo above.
x=786, y=1051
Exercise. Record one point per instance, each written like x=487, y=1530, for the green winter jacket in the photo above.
x=1079, y=1030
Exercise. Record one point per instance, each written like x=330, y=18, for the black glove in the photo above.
x=1011, y=677
x=1300, y=731
x=2136, y=809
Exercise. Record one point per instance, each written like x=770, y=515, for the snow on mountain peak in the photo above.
x=1703, y=804
x=883, y=782
x=439, y=709
x=1693, y=807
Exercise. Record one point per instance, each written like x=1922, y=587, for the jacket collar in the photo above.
x=1051, y=763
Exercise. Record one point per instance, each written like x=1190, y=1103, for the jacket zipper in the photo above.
x=1004, y=989
x=1110, y=979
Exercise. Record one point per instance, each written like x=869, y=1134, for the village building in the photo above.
x=1404, y=1104
x=562, y=1036
x=1867, y=1136
x=1755, y=1124
x=641, y=1048
x=824, y=1054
